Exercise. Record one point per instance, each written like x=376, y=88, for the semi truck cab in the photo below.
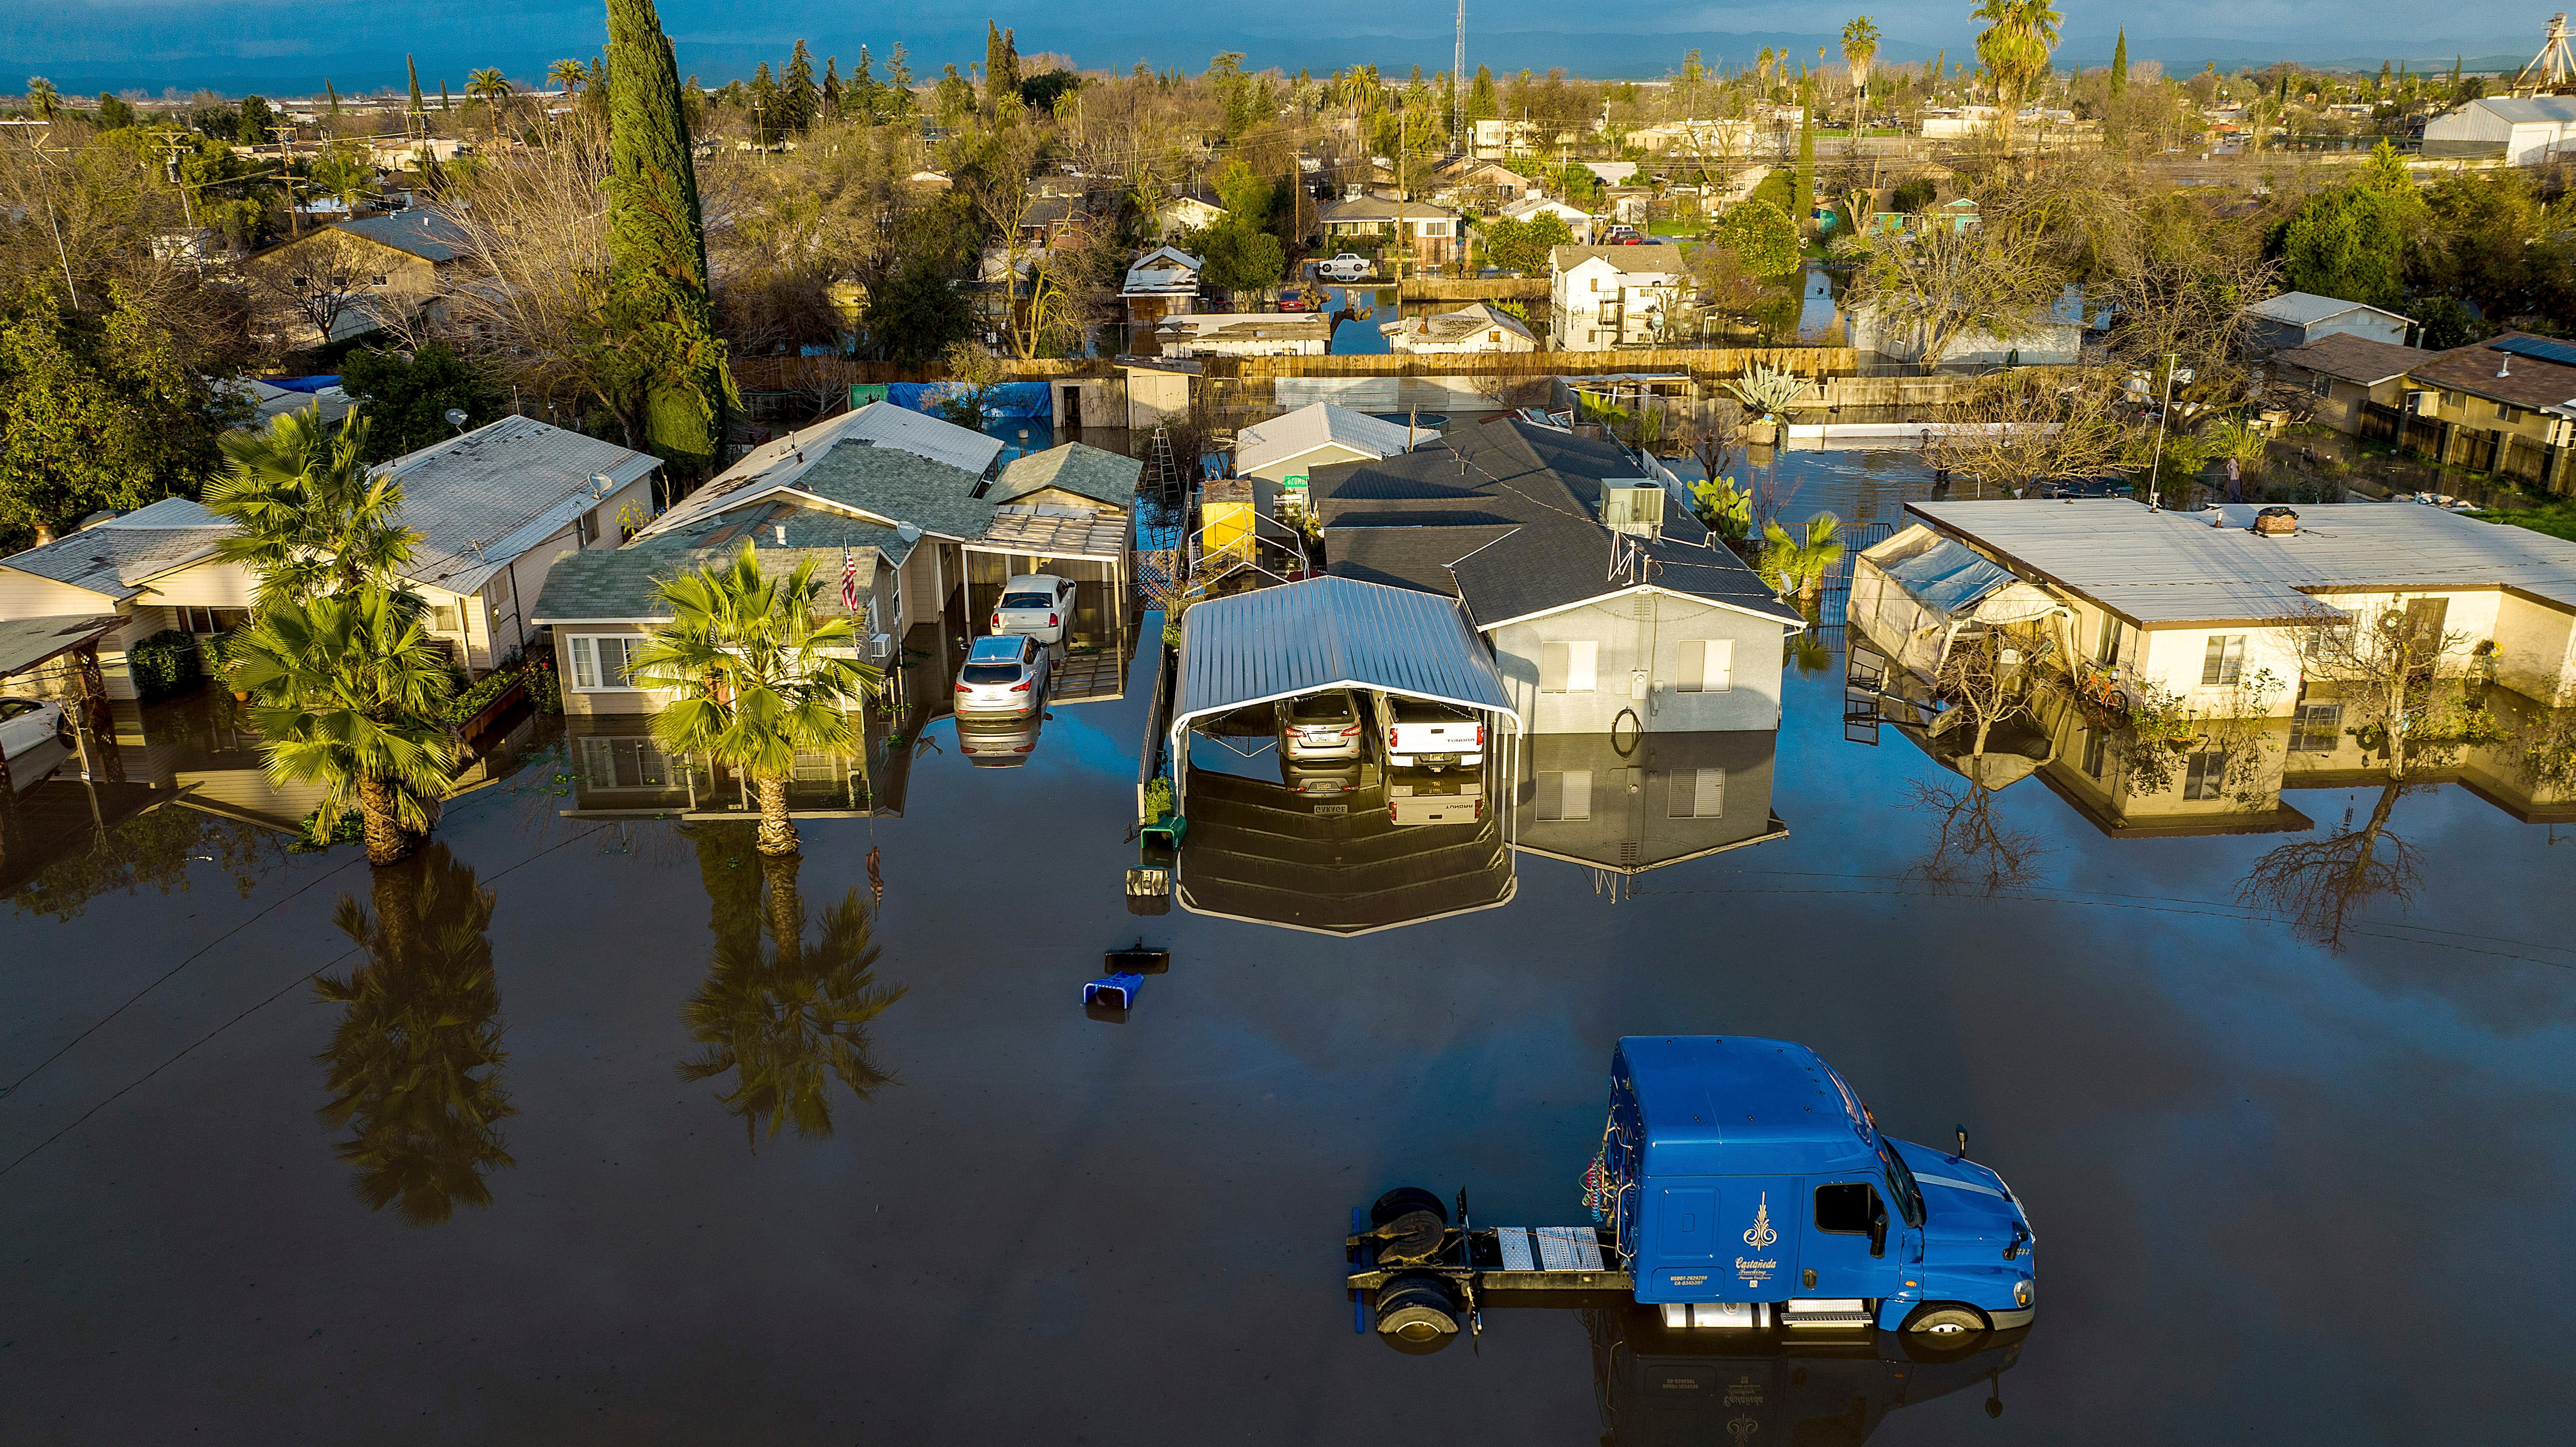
x=1748, y=1187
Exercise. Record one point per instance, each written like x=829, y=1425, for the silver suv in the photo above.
x=1004, y=674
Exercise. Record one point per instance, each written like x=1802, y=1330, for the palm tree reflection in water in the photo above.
x=415, y=1063
x=787, y=1019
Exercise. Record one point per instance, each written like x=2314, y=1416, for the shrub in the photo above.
x=164, y=664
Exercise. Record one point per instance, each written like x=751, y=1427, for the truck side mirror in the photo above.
x=1878, y=1232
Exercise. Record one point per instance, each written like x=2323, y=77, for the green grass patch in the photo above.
x=2557, y=520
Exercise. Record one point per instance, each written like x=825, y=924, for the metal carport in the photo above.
x=1304, y=637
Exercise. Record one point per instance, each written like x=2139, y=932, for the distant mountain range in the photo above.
x=1589, y=54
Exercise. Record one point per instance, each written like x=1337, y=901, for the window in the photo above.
x=212, y=620
x=2317, y=728
x=1566, y=795
x=2224, y=661
x=634, y=763
x=586, y=527
x=2507, y=412
x=446, y=618
x=2096, y=745
x=1596, y=283
x=601, y=662
x=2456, y=399
x=2205, y=776
x=1707, y=665
x=2321, y=385
x=1567, y=667
x=1846, y=1208
x=1699, y=794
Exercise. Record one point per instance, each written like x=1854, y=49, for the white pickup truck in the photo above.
x=1420, y=734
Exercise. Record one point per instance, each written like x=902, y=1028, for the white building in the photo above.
x=1473, y=328
x=1612, y=296
x=1576, y=219
x=2296, y=318
x=1285, y=448
x=2530, y=130
x=1245, y=334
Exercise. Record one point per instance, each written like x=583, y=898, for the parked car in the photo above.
x=1622, y=236
x=27, y=722
x=1320, y=726
x=1299, y=299
x=1421, y=734
x=1005, y=674
x=1422, y=797
x=1348, y=266
x=1326, y=783
x=1036, y=604
x=998, y=743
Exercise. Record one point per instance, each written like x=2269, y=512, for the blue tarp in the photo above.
x=1948, y=579
x=303, y=384
x=1007, y=399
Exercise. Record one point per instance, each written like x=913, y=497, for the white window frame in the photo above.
x=2222, y=659
x=1696, y=788
x=1717, y=658
x=584, y=648
x=1581, y=668
x=1558, y=792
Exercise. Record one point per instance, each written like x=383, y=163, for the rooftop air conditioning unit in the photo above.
x=1635, y=507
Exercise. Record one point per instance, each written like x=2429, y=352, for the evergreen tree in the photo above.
x=1010, y=76
x=444, y=104
x=113, y=113
x=2383, y=77
x=659, y=318
x=992, y=63
x=332, y=96
x=764, y=106
x=1481, y=102
x=255, y=121
x=830, y=97
x=2119, y=77
x=797, y=100
x=862, y=101
x=419, y=107
x=894, y=99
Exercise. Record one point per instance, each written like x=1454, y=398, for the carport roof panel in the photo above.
x=1282, y=641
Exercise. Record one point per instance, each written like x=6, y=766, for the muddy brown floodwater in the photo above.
x=482, y=1150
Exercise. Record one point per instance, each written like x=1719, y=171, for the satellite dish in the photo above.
x=907, y=532
x=456, y=417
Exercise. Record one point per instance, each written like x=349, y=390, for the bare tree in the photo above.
x=2396, y=672
x=320, y=280
x=1971, y=847
x=2317, y=884
x=2018, y=430
x=536, y=265
x=1989, y=678
x=1933, y=289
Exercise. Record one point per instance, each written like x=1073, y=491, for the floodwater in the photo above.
x=510, y=1177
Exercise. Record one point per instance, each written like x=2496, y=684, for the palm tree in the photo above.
x=415, y=1062
x=311, y=517
x=491, y=87
x=2015, y=44
x=1801, y=563
x=568, y=76
x=787, y=1022
x=759, y=676
x=349, y=692
x=43, y=98
x=1860, y=47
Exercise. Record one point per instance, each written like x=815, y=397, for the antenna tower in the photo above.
x=2552, y=67
x=1458, y=79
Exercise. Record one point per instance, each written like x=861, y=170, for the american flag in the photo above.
x=849, y=581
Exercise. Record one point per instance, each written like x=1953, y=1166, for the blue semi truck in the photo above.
x=1741, y=1185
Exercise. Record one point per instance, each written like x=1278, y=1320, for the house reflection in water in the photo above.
x=1637, y=802
x=1336, y=849
x=620, y=771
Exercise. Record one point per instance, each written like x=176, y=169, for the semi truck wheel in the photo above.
x=1405, y=1199
x=1945, y=1323
x=1417, y=1308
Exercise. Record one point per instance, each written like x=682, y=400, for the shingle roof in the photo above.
x=782, y=461
x=1504, y=514
x=113, y=558
x=2305, y=308
x=2174, y=567
x=1075, y=467
x=1662, y=259
x=605, y=585
x=1380, y=208
x=2349, y=358
x=889, y=483
x=1296, y=433
x=423, y=232
x=480, y=500
x=2526, y=381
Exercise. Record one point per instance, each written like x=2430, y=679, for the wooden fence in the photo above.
x=817, y=374
x=1698, y=361
x=1501, y=288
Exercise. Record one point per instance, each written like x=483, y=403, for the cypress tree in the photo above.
x=764, y=104
x=992, y=63
x=1011, y=63
x=659, y=319
x=444, y=105
x=419, y=107
x=2119, y=76
x=831, y=94
x=333, y=96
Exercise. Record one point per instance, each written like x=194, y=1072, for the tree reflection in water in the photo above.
x=2315, y=884
x=1971, y=848
x=787, y=1019
x=415, y=1063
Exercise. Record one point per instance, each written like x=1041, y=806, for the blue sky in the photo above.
x=289, y=45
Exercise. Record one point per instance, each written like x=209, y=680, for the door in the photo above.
x=1840, y=1256
x=2424, y=620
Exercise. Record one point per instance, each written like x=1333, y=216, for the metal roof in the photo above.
x=1053, y=532
x=2177, y=567
x=28, y=642
x=481, y=499
x=113, y=558
x=1278, y=642
x=2306, y=308
x=428, y=234
x=1314, y=425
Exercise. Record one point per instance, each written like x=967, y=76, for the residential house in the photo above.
x=1474, y=328
x=400, y=153
x=1288, y=448
x=1184, y=214
x=1695, y=138
x=1494, y=140
x=2204, y=608
x=1576, y=219
x=2056, y=339
x=1635, y=804
x=1958, y=123
x=2529, y=130
x=402, y=263
x=2506, y=405
x=1161, y=284
x=1603, y=599
x=2346, y=371
x=1417, y=231
x=2296, y=318
x=1486, y=186
x=1611, y=296
x=1244, y=334
x=154, y=569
